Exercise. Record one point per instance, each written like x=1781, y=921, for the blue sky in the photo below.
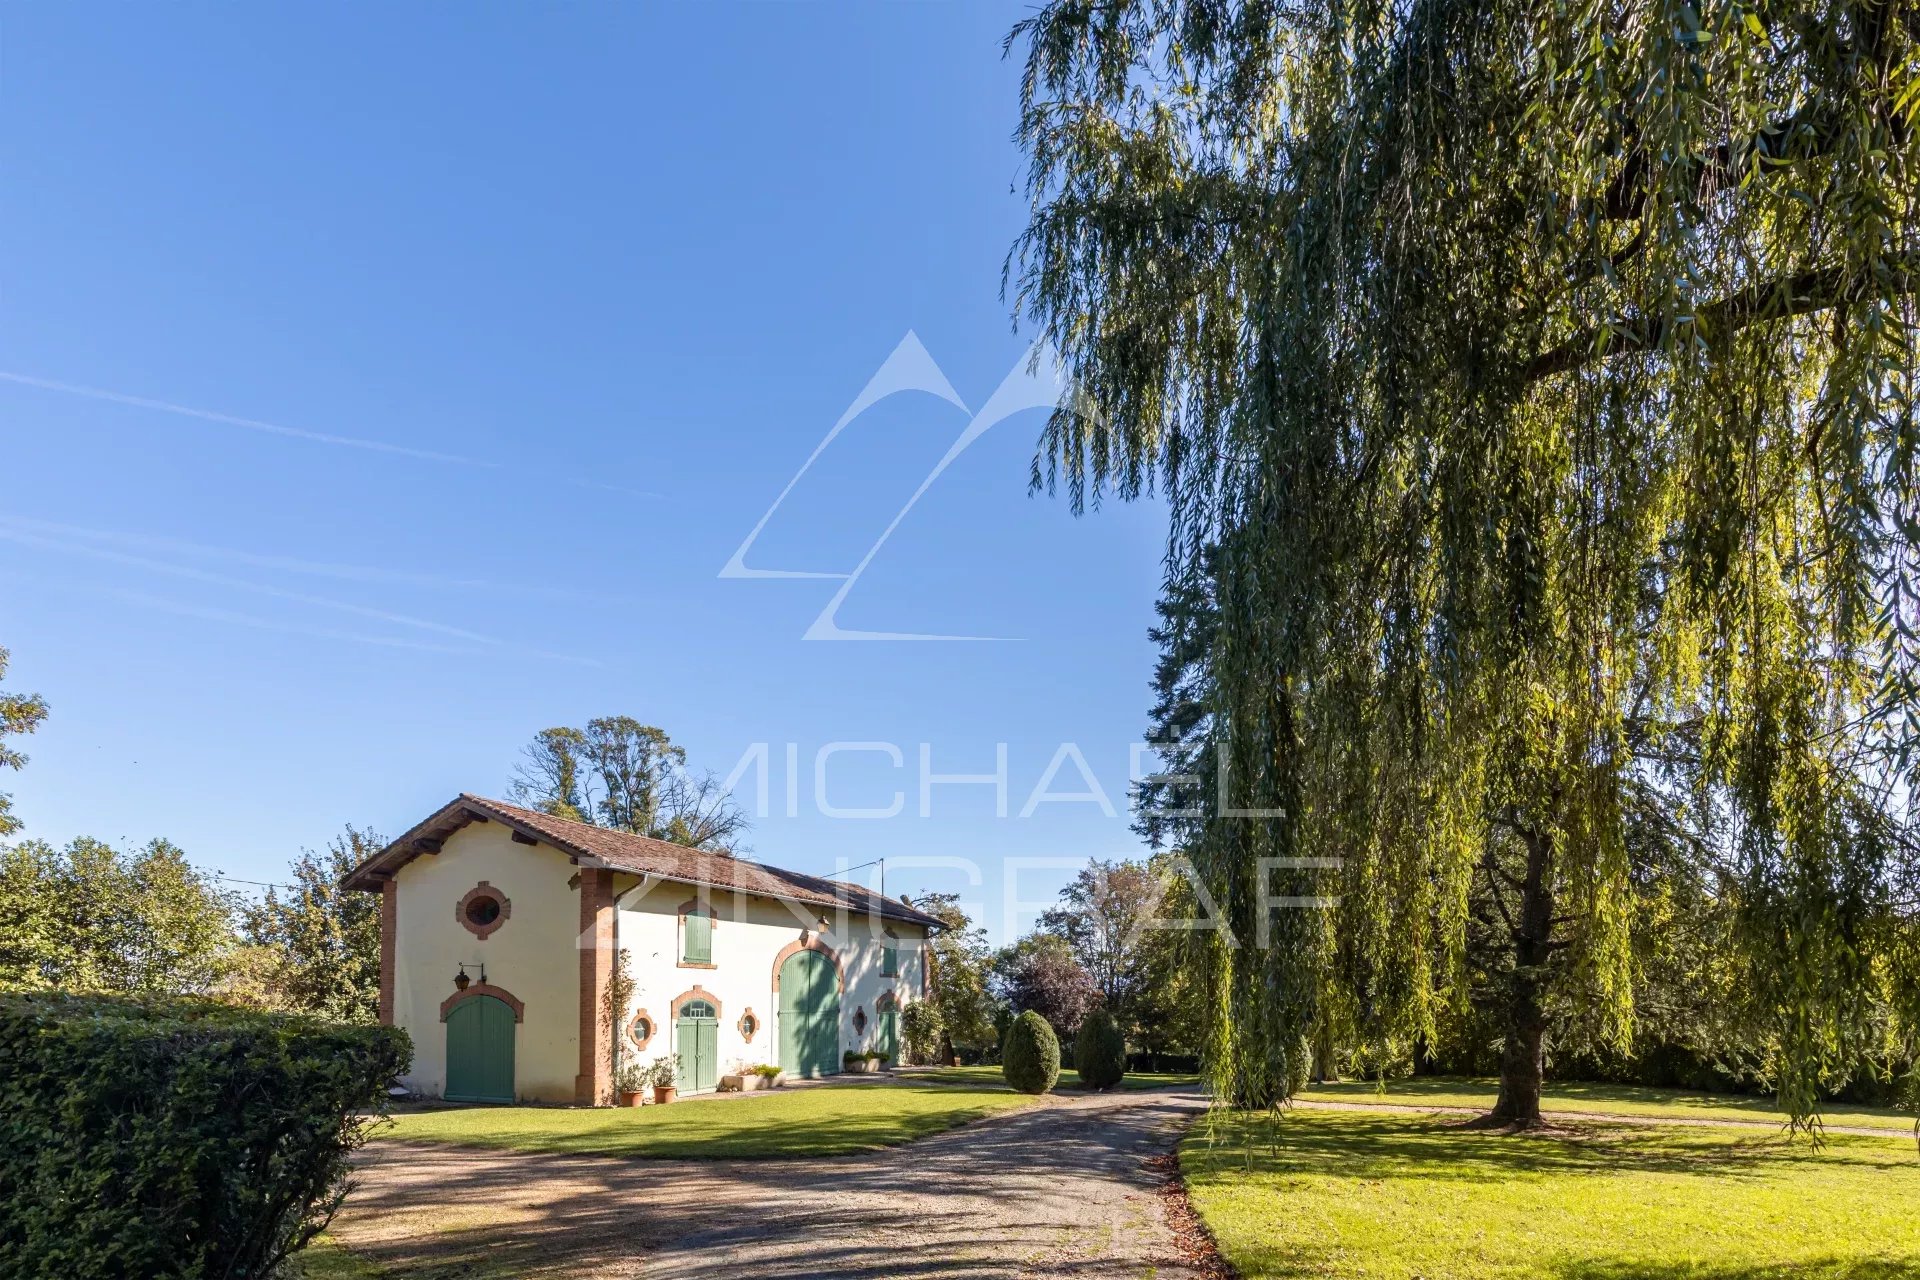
x=527, y=314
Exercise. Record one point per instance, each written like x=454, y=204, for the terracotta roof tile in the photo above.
x=641, y=855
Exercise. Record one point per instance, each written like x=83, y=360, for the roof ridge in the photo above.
x=687, y=848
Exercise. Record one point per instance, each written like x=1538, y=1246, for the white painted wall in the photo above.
x=748, y=932
x=531, y=955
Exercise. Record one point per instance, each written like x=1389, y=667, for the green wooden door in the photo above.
x=886, y=1036
x=480, y=1051
x=697, y=1040
x=809, y=1015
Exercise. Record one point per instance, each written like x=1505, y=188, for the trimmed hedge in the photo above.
x=1100, y=1051
x=176, y=1140
x=1030, y=1060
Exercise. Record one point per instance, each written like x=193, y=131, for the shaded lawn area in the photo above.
x=1613, y=1099
x=990, y=1078
x=324, y=1259
x=1367, y=1195
x=784, y=1124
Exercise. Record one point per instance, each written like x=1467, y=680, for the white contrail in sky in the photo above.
x=238, y=584
x=12, y=530
x=250, y=424
x=287, y=564
x=301, y=433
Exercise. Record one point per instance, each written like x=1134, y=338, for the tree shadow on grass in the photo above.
x=1363, y=1145
x=1831, y=1268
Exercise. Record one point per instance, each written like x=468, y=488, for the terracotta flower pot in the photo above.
x=663, y=1094
x=629, y=1097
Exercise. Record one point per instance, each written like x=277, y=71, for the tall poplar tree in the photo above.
x=1532, y=387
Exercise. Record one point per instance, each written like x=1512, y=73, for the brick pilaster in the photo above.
x=593, y=1086
x=389, y=934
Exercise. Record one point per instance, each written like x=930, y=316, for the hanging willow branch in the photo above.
x=1532, y=386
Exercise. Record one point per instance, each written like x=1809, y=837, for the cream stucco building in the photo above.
x=499, y=932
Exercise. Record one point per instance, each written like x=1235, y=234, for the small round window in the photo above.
x=482, y=910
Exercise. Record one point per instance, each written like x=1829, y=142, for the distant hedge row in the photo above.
x=172, y=1139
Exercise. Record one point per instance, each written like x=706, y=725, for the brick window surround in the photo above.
x=749, y=1025
x=634, y=1036
x=688, y=997
x=472, y=912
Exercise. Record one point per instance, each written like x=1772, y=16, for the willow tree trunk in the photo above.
x=1523, y=1060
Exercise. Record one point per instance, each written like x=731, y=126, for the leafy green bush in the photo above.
x=176, y=1139
x=920, y=1028
x=1100, y=1051
x=1030, y=1059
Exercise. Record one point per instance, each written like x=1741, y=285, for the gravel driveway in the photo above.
x=1062, y=1189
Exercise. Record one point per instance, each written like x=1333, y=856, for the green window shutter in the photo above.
x=889, y=957
x=697, y=942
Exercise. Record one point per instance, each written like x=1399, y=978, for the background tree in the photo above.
x=957, y=977
x=321, y=943
x=629, y=776
x=1523, y=401
x=1040, y=974
x=97, y=919
x=1102, y=917
x=1166, y=1011
x=19, y=713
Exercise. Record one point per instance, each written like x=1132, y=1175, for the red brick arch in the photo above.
x=692, y=994
x=479, y=989
x=809, y=943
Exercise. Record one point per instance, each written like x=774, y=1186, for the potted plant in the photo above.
x=863, y=1064
x=663, y=1074
x=771, y=1077
x=630, y=1082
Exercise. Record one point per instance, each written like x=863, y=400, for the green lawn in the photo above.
x=324, y=1259
x=1615, y=1099
x=1380, y=1196
x=990, y=1078
x=785, y=1124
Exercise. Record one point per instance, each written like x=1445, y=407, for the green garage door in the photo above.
x=698, y=1043
x=480, y=1051
x=809, y=1015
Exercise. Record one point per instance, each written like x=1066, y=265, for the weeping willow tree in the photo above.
x=1531, y=385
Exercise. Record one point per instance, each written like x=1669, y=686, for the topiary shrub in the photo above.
x=1030, y=1059
x=1100, y=1051
x=172, y=1138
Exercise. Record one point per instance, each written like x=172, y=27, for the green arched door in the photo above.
x=697, y=1040
x=480, y=1051
x=809, y=1015
x=886, y=1034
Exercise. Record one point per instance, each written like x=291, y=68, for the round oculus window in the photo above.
x=483, y=911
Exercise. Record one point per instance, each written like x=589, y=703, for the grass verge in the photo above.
x=1371, y=1196
x=1611, y=1099
x=324, y=1259
x=990, y=1078
x=784, y=1125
